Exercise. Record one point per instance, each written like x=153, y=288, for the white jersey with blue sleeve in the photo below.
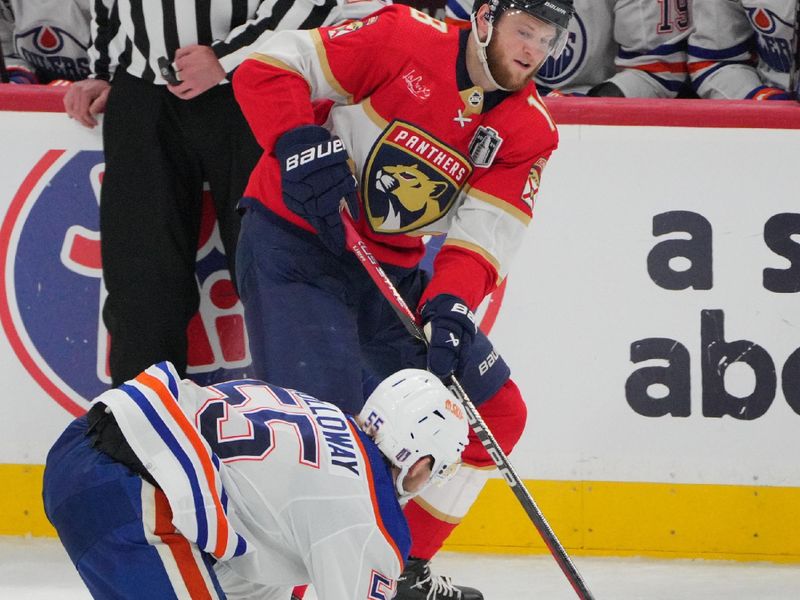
x=281, y=488
x=49, y=37
x=744, y=48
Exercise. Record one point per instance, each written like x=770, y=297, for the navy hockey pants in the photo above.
x=117, y=528
x=317, y=322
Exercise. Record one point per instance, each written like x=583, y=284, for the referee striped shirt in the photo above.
x=132, y=34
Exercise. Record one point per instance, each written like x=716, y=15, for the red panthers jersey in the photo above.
x=433, y=153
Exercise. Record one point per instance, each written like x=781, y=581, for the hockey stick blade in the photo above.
x=357, y=245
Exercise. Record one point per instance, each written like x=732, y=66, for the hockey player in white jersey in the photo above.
x=744, y=49
x=166, y=489
x=46, y=41
x=630, y=48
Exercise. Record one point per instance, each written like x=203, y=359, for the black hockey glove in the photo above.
x=607, y=89
x=450, y=327
x=106, y=436
x=315, y=177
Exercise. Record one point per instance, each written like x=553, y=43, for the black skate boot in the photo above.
x=418, y=583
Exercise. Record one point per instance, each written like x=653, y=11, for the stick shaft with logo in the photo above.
x=357, y=245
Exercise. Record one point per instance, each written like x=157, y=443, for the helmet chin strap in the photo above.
x=402, y=495
x=482, y=50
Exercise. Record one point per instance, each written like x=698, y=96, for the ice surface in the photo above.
x=38, y=569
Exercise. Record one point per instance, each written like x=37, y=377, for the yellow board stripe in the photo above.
x=21, y=510
x=639, y=519
x=590, y=518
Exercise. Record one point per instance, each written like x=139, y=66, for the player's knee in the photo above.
x=505, y=415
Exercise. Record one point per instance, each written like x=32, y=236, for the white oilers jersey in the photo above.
x=49, y=37
x=639, y=45
x=280, y=487
x=741, y=47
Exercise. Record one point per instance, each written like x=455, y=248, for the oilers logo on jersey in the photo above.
x=559, y=69
x=774, y=35
x=411, y=179
x=53, y=52
x=764, y=20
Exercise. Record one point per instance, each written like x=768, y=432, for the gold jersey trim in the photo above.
x=275, y=62
x=472, y=247
x=325, y=66
x=503, y=205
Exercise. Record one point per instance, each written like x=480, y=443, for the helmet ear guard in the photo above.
x=411, y=415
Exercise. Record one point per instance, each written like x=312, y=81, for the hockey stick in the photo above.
x=377, y=274
x=794, y=79
x=4, y=78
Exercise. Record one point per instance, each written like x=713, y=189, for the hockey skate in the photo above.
x=418, y=583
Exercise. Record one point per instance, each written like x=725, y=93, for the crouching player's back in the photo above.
x=245, y=490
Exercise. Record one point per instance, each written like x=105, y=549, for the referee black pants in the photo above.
x=159, y=150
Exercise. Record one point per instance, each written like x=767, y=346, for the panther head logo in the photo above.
x=412, y=197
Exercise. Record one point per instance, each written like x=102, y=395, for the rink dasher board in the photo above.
x=580, y=295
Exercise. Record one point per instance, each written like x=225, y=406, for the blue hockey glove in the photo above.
x=315, y=177
x=450, y=327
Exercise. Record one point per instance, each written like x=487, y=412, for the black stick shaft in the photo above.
x=4, y=78
x=376, y=273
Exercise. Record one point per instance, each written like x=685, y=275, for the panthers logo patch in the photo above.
x=410, y=179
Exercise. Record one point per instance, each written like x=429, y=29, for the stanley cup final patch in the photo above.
x=484, y=146
x=411, y=179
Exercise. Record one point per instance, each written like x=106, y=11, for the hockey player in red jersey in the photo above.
x=433, y=131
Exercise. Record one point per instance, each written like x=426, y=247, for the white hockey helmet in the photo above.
x=410, y=415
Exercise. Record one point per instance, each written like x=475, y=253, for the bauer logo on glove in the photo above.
x=315, y=177
x=313, y=153
x=450, y=327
